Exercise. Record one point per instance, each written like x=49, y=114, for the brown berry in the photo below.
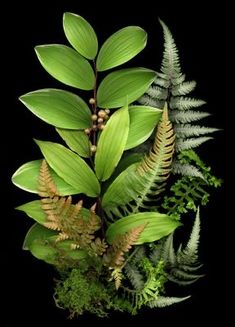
x=92, y=101
x=101, y=126
x=93, y=148
x=100, y=120
x=101, y=113
x=94, y=127
x=94, y=117
x=107, y=111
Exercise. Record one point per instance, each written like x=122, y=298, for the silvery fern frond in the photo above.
x=186, y=170
x=186, y=144
x=183, y=88
x=181, y=265
x=179, y=116
x=146, y=100
x=165, y=301
x=134, y=276
x=185, y=103
x=188, y=130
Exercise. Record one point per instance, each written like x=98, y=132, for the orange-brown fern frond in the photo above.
x=122, y=244
x=46, y=185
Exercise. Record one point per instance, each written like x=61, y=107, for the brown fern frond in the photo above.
x=46, y=185
x=122, y=244
x=99, y=246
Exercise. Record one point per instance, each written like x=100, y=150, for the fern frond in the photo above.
x=183, y=88
x=182, y=265
x=146, y=100
x=46, y=186
x=114, y=257
x=155, y=255
x=140, y=184
x=190, y=254
x=184, y=103
x=116, y=275
x=170, y=63
x=194, y=142
x=164, y=301
x=179, y=116
x=155, y=91
x=188, y=130
x=134, y=275
x=186, y=170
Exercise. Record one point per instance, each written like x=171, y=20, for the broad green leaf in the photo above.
x=143, y=120
x=26, y=178
x=111, y=143
x=123, y=87
x=69, y=166
x=66, y=65
x=37, y=232
x=81, y=35
x=157, y=225
x=34, y=210
x=59, y=108
x=78, y=141
x=121, y=47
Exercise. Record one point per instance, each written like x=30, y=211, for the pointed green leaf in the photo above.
x=80, y=34
x=37, y=231
x=26, y=178
x=111, y=143
x=66, y=65
x=34, y=210
x=78, y=141
x=121, y=47
x=157, y=225
x=124, y=86
x=58, y=108
x=69, y=166
x=143, y=120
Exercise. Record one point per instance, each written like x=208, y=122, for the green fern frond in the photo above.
x=188, y=130
x=168, y=252
x=165, y=301
x=139, y=185
x=183, y=88
x=194, y=142
x=185, y=103
x=179, y=116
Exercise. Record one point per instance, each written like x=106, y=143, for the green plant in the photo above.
x=118, y=156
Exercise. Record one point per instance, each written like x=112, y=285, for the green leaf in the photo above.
x=78, y=141
x=69, y=166
x=123, y=87
x=80, y=34
x=59, y=108
x=66, y=65
x=37, y=231
x=111, y=143
x=34, y=210
x=157, y=225
x=121, y=47
x=143, y=120
x=26, y=178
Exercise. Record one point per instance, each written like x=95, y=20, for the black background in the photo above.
x=202, y=36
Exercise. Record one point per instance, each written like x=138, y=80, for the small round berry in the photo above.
x=94, y=117
x=101, y=126
x=92, y=101
x=107, y=111
x=100, y=120
x=101, y=113
x=93, y=148
x=94, y=127
x=87, y=131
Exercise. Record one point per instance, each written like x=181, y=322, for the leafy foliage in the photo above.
x=119, y=254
